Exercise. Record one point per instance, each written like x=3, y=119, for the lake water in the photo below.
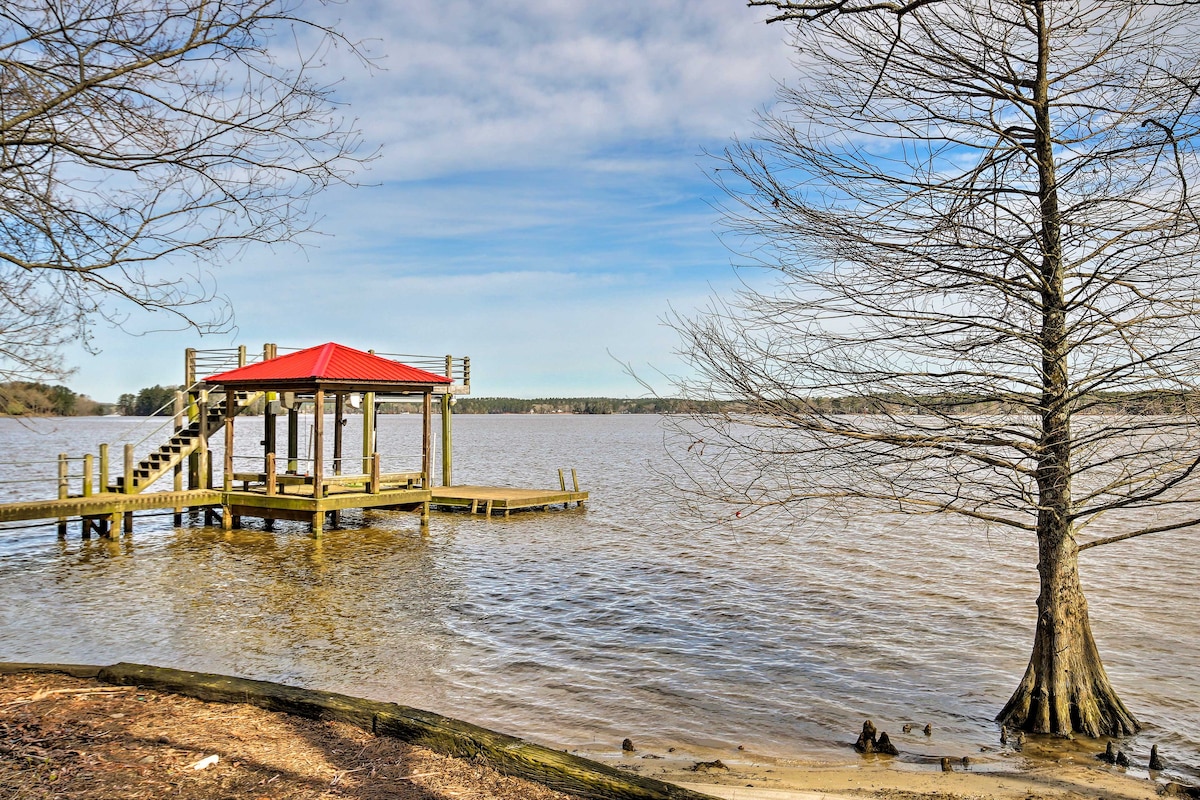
x=578, y=628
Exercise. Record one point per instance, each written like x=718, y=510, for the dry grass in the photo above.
x=68, y=738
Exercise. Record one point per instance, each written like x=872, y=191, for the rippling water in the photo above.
x=579, y=628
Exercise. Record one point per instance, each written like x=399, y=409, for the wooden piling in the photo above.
x=339, y=399
x=230, y=410
x=104, y=486
x=368, y=411
x=318, y=443
x=127, y=485
x=177, y=482
x=447, y=444
x=293, y=442
x=426, y=439
x=63, y=490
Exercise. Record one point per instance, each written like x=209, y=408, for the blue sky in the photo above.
x=539, y=202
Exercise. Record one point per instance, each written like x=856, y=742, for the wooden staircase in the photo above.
x=183, y=442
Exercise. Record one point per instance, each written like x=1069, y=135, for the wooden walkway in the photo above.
x=489, y=499
x=98, y=511
x=296, y=503
x=106, y=504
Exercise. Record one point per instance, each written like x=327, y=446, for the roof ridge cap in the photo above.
x=323, y=359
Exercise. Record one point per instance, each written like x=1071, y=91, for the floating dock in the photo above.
x=498, y=499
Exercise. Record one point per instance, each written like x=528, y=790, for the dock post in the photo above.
x=127, y=486
x=271, y=478
x=293, y=444
x=318, y=466
x=339, y=401
x=447, y=443
x=178, y=482
x=562, y=481
x=368, y=426
x=269, y=425
x=426, y=439
x=375, y=471
x=317, y=525
x=575, y=479
x=114, y=527
x=104, y=487
x=189, y=367
x=89, y=470
x=230, y=410
x=63, y=491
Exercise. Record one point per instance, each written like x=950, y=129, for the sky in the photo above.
x=541, y=200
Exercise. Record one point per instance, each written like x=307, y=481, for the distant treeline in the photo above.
x=36, y=399
x=42, y=400
x=149, y=401
x=579, y=405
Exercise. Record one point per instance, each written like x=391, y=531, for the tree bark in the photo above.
x=1065, y=689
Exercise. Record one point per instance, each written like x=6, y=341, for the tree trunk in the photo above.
x=1065, y=689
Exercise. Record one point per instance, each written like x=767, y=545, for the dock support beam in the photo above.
x=293, y=453
x=104, y=487
x=318, y=466
x=368, y=413
x=447, y=444
x=127, y=488
x=63, y=491
x=339, y=400
x=178, y=477
x=426, y=439
x=230, y=409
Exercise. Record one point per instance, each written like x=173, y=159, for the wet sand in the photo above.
x=1048, y=768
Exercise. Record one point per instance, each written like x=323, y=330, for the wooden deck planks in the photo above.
x=298, y=503
x=493, y=499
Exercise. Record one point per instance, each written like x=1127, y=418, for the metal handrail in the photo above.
x=220, y=358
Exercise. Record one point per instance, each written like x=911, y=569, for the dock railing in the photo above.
x=456, y=368
x=253, y=472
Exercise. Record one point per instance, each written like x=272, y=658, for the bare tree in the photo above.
x=139, y=139
x=981, y=228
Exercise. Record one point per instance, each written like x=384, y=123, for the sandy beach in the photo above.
x=67, y=737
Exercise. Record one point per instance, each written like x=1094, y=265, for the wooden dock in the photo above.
x=283, y=486
x=100, y=511
x=496, y=499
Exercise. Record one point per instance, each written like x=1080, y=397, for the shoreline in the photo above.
x=1038, y=771
x=1042, y=769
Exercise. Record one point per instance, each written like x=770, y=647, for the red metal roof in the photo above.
x=328, y=362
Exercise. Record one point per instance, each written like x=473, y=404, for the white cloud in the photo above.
x=487, y=85
x=539, y=200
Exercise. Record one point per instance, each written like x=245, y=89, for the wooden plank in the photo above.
x=452, y=737
x=503, y=498
x=104, y=504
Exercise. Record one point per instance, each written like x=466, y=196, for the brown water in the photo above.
x=579, y=628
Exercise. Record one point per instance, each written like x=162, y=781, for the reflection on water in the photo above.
x=579, y=628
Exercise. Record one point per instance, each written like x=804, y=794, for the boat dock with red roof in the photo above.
x=314, y=490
